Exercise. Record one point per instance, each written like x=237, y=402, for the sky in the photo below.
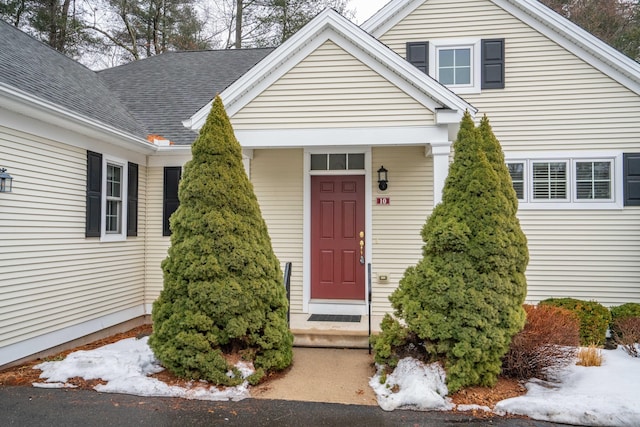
x=365, y=8
x=596, y=396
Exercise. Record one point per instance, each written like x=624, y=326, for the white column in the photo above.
x=440, y=152
x=247, y=156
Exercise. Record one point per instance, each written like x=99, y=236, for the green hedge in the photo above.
x=594, y=318
x=630, y=309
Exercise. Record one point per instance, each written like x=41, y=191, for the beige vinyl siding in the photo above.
x=156, y=245
x=331, y=89
x=396, y=228
x=277, y=177
x=590, y=255
x=51, y=276
x=552, y=101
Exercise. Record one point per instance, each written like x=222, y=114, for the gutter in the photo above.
x=24, y=103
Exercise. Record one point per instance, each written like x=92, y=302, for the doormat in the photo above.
x=334, y=318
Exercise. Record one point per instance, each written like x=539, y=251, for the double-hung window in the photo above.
x=579, y=183
x=113, y=214
x=112, y=198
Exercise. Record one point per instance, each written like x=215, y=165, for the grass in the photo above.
x=590, y=356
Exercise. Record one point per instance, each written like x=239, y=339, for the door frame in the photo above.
x=334, y=307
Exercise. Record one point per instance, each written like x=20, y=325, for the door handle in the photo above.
x=362, y=247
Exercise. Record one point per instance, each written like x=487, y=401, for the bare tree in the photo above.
x=616, y=22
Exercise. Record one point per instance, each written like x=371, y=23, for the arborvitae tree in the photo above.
x=223, y=291
x=463, y=300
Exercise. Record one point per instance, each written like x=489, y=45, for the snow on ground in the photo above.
x=125, y=366
x=608, y=395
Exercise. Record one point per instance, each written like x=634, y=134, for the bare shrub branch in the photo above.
x=547, y=343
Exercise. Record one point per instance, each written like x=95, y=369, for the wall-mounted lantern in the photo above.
x=382, y=178
x=6, y=181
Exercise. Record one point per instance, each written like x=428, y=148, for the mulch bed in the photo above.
x=25, y=375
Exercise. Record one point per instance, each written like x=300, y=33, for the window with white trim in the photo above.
x=114, y=199
x=113, y=216
x=590, y=183
x=549, y=180
x=456, y=64
x=517, y=172
x=337, y=161
x=593, y=180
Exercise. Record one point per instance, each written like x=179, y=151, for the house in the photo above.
x=346, y=134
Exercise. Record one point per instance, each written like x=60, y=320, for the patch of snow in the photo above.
x=608, y=395
x=53, y=385
x=412, y=385
x=468, y=408
x=125, y=366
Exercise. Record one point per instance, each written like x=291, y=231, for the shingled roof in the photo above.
x=34, y=68
x=147, y=97
x=162, y=91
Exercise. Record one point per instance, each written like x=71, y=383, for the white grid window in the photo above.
x=454, y=66
x=549, y=180
x=517, y=172
x=570, y=183
x=594, y=180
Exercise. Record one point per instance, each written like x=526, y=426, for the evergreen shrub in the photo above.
x=462, y=302
x=547, y=343
x=223, y=294
x=630, y=309
x=594, y=318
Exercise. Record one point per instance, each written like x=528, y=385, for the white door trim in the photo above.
x=317, y=307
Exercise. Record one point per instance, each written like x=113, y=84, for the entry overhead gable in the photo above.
x=542, y=19
x=330, y=31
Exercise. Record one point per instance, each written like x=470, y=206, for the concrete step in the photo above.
x=331, y=334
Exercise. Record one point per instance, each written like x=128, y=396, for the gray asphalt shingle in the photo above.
x=150, y=96
x=33, y=67
x=162, y=91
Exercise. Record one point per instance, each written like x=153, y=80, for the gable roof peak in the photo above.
x=331, y=25
x=570, y=36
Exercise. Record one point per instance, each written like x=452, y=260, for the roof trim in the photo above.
x=330, y=25
x=572, y=37
x=48, y=112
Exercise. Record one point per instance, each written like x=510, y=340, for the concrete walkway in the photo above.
x=324, y=375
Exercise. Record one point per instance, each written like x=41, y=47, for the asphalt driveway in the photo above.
x=27, y=406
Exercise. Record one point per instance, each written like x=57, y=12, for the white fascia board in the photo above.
x=576, y=40
x=394, y=12
x=570, y=36
x=173, y=155
x=330, y=25
x=322, y=137
x=23, y=103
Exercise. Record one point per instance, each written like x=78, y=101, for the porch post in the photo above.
x=440, y=152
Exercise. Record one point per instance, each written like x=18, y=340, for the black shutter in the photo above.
x=418, y=55
x=94, y=194
x=492, y=64
x=170, y=201
x=631, y=171
x=132, y=200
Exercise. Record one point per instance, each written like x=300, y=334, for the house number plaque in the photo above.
x=383, y=200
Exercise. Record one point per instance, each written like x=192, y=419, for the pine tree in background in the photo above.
x=223, y=291
x=463, y=299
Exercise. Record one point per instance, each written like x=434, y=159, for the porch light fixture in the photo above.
x=6, y=181
x=382, y=178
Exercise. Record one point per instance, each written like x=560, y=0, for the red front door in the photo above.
x=337, y=221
